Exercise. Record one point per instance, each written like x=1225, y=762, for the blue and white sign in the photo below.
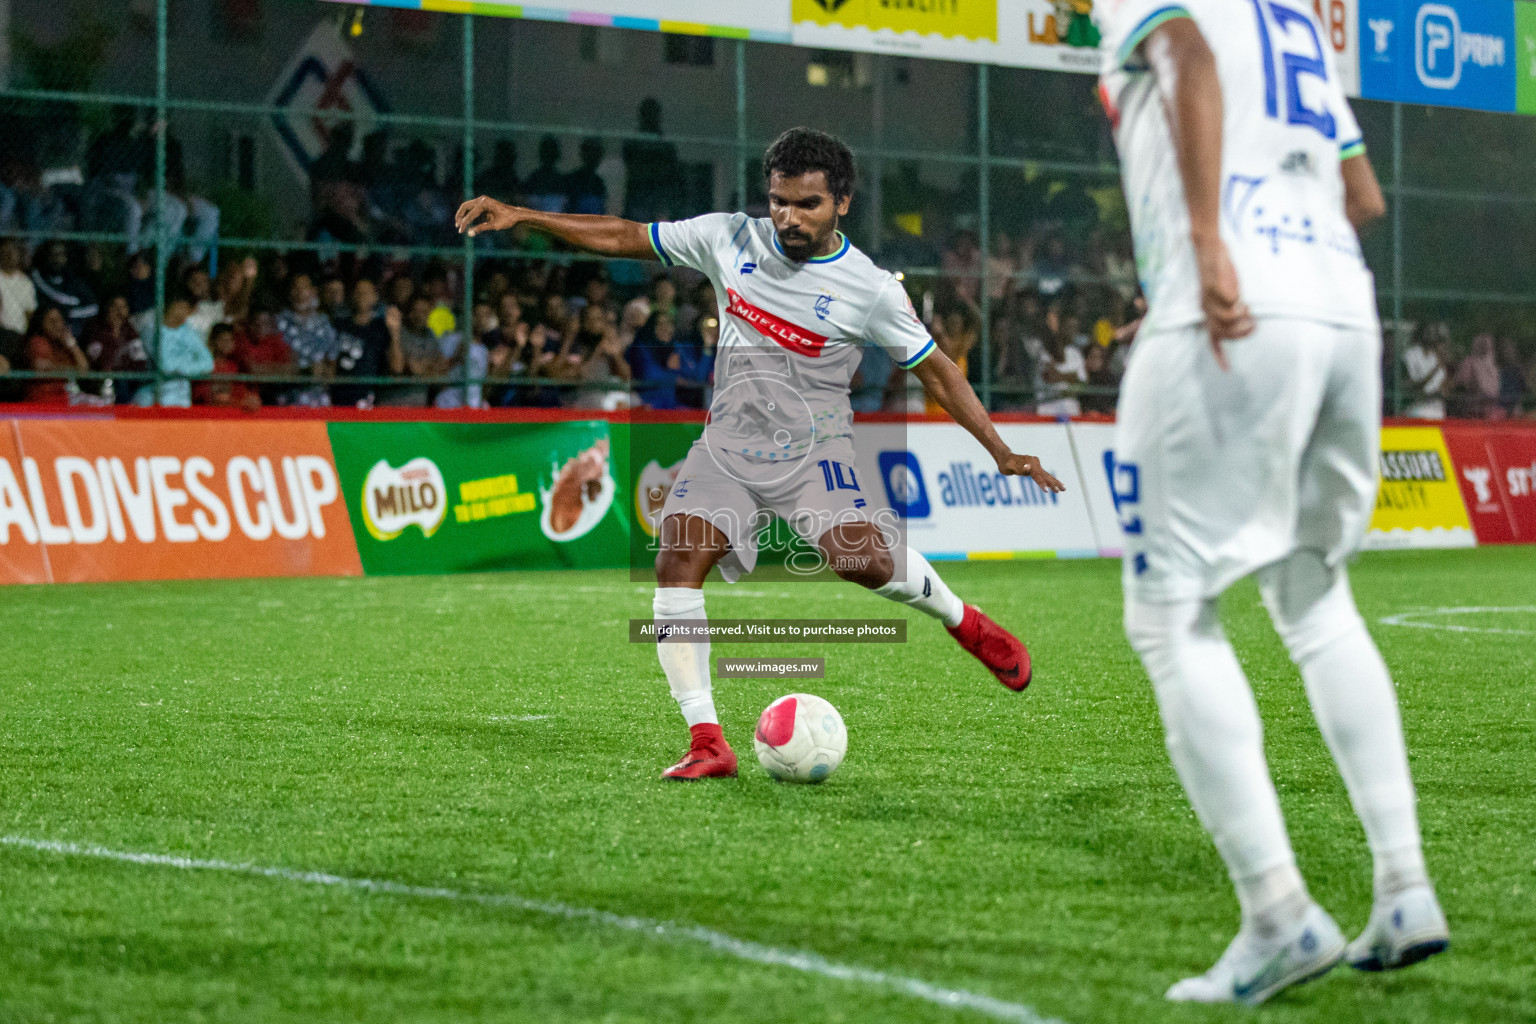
x=1452, y=53
x=952, y=503
x=323, y=76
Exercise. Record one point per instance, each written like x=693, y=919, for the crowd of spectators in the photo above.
x=297, y=328
x=1063, y=316
x=1489, y=379
x=372, y=192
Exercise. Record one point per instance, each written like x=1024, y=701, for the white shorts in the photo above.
x=741, y=496
x=1218, y=474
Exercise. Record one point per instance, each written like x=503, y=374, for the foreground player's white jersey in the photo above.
x=1287, y=127
x=791, y=333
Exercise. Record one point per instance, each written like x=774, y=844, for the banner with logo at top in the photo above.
x=1452, y=53
x=1419, y=504
x=465, y=497
x=955, y=505
x=1496, y=468
x=93, y=501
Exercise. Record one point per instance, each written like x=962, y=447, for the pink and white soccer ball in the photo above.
x=800, y=738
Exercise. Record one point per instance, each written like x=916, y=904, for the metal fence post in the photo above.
x=741, y=124
x=984, y=221
x=467, y=324
x=157, y=200
x=1397, y=258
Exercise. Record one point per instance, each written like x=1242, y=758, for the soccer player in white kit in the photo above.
x=797, y=301
x=1247, y=442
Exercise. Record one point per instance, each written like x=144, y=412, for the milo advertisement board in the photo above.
x=466, y=497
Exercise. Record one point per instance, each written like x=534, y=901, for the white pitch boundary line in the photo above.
x=1405, y=619
x=668, y=931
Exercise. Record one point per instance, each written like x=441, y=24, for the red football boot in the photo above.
x=994, y=647
x=710, y=757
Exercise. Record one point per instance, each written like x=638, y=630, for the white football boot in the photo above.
x=1403, y=930
x=1254, y=968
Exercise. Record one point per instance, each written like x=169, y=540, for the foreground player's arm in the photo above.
x=948, y=387
x=605, y=236
x=1363, y=202
x=1191, y=89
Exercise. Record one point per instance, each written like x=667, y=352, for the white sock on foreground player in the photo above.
x=1215, y=740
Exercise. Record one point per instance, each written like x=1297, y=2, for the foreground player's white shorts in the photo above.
x=740, y=496
x=1218, y=474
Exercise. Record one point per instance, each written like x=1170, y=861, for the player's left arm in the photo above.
x=1364, y=203
x=949, y=388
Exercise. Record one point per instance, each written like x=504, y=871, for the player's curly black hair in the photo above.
x=803, y=150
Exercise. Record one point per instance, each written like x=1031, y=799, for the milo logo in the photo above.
x=413, y=495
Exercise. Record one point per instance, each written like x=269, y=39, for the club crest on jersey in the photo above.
x=824, y=306
x=775, y=328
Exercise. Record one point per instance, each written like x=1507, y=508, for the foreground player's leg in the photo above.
x=1356, y=708
x=1216, y=743
x=690, y=548
x=857, y=553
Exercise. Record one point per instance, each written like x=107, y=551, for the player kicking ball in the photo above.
x=797, y=301
x=1247, y=441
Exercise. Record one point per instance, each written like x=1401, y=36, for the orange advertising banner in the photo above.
x=98, y=500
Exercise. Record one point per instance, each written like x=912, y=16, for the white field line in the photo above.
x=667, y=931
x=1406, y=619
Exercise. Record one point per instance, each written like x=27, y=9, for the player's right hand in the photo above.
x=1014, y=464
x=486, y=214
x=1227, y=316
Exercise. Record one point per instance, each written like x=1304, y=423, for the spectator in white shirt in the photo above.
x=1062, y=367
x=18, y=295
x=1425, y=373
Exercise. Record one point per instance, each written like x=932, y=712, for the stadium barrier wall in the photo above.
x=96, y=498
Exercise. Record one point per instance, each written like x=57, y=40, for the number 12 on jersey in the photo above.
x=1283, y=18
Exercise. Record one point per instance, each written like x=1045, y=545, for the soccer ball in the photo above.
x=800, y=738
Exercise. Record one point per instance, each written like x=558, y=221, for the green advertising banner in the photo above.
x=466, y=497
x=1525, y=58
x=656, y=453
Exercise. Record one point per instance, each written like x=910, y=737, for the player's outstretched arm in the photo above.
x=1191, y=89
x=948, y=387
x=605, y=236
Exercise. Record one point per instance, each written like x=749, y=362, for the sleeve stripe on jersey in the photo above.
x=661, y=251
x=1151, y=23
x=1352, y=149
x=924, y=354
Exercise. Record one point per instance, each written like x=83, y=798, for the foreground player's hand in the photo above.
x=485, y=214
x=1013, y=464
x=1226, y=314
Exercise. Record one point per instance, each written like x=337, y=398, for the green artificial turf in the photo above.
x=497, y=734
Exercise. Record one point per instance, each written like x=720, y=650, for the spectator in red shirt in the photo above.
x=221, y=342
x=51, y=346
x=260, y=349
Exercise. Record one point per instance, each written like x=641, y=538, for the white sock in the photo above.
x=685, y=663
x=1356, y=709
x=919, y=587
x=1216, y=742
x=1272, y=899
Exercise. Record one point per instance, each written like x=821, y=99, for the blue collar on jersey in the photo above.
x=841, y=250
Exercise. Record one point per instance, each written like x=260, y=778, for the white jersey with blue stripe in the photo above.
x=791, y=333
x=1287, y=127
